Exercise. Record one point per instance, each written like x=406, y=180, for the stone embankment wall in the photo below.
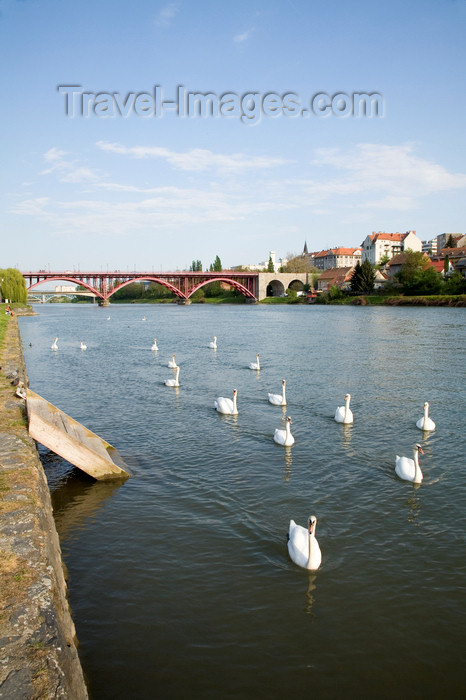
x=38, y=657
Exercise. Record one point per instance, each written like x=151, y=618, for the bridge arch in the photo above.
x=297, y=284
x=162, y=282
x=275, y=288
x=233, y=283
x=89, y=287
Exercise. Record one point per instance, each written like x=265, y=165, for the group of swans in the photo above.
x=172, y=364
x=409, y=469
x=303, y=547
x=54, y=345
x=176, y=380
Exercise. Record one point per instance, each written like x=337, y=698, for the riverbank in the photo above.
x=39, y=658
x=343, y=300
x=449, y=300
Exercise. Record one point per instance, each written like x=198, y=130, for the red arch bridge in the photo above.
x=253, y=285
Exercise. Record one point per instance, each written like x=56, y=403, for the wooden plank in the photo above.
x=74, y=442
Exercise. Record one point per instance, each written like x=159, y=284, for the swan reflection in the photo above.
x=309, y=593
x=288, y=462
x=347, y=434
x=414, y=505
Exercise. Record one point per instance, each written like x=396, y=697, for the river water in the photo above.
x=180, y=581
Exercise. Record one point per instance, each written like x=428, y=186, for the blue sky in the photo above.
x=155, y=193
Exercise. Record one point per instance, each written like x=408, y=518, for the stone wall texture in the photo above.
x=38, y=657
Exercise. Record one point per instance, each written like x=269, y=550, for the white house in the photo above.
x=379, y=244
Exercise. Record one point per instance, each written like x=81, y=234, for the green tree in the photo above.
x=455, y=284
x=196, y=266
x=217, y=265
x=446, y=264
x=131, y=291
x=270, y=266
x=450, y=242
x=298, y=264
x=13, y=286
x=363, y=278
x=418, y=276
x=355, y=282
x=415, y=262
x=383, y=261
x=367, y=277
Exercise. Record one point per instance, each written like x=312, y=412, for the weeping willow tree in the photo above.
x=13, y=286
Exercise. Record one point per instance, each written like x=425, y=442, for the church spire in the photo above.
x=305, y=252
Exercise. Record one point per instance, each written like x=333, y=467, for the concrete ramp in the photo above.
x=73, y=441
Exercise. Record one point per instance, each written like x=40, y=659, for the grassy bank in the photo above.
x=399, y=300
x=434, y=300
x=4, y=318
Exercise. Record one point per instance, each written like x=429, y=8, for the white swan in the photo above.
x=143, y=318
x=172, y=363
x=284, y=437
x=174, y=382
x=108, y=318
x=154, y=347
x=409, y=469
x=255, y=365
x=303, y=547
x=83, y=346
x=279, y=399
x=227, y=406
x=425, y=423
x=344, y=414
x=213, y=343
x=54, y=345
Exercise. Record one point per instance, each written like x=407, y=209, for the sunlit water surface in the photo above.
x=180, y=581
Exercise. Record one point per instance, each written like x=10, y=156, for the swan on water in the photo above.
x=255, y=365
x=344, y=414
x=174, y=382
x=425, y=423
x=83, y=346
x=409, y=469
x=227, y=406
x=55, y=344
x=143, y=318
x=172, y=363
x=279, y=399
x=108, y=318
x=154, y=347
x=284, y=437
x=213, y=343
x=303, y=547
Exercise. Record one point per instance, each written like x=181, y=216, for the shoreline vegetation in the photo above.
x=323, y=299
